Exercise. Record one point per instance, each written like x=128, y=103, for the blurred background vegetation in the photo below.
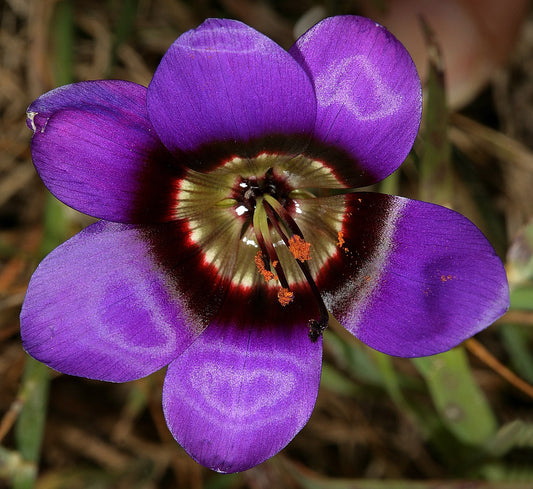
x=463, y=419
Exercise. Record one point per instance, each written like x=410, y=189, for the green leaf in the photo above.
x=516, y=340
x=520, y=257
x=458, y=399
x=522, y=297
x=35, y=383
x=310, y=480
x=436, y=176
x=30, y=424
x=352, y=357
x=63, y=40
x=516, y=434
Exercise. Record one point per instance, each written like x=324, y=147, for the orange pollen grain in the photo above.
x=285, y=296
x=340, y=239
x=299, y=248
x=259, y=263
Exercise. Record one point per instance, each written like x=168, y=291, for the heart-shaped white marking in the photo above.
x=335, y=85
x=229, y=394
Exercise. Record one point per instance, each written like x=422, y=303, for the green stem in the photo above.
x=30, y=424
x=436, y=176
x=35, y=385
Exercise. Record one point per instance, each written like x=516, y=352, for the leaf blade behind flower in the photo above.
x=460, y=402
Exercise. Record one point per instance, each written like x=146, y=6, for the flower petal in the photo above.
x=96, y=151
x=414, y=278
x=369, y=99
x=241, y=392
x=98, y=306
x=224, y=82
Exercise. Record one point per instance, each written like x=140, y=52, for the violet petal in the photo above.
x=413, y=278
x=96, y=151
x=98, y=306
x=369, y=98
x=240, y=393
x=225, y=82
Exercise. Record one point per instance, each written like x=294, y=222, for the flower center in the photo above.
x=257, y=222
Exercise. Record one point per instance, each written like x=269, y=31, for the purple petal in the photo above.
x=369, y=99
x=96, y=151
x=241, y=392
x=98, y=306
x=415, y=278
x=226, y=83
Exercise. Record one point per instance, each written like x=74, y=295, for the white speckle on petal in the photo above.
x=249, y=242
x=31, y=115
x=241, y=210
x=224, y=39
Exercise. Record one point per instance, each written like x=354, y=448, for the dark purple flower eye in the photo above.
x=231, y=230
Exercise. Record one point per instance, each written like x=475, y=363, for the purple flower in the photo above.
x=229, y=228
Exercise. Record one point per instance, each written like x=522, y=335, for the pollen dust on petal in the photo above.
x=445, y=278
x=299, y=248
x=340, y=239
x=260, y=264
x=285, y=296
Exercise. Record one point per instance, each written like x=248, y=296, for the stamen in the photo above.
x=286, y=218
x=264, y=240
x=315, y=192
x=316, y=326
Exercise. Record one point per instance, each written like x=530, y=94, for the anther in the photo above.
x=285, y=296
x=261, y=265
x=300, y=249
